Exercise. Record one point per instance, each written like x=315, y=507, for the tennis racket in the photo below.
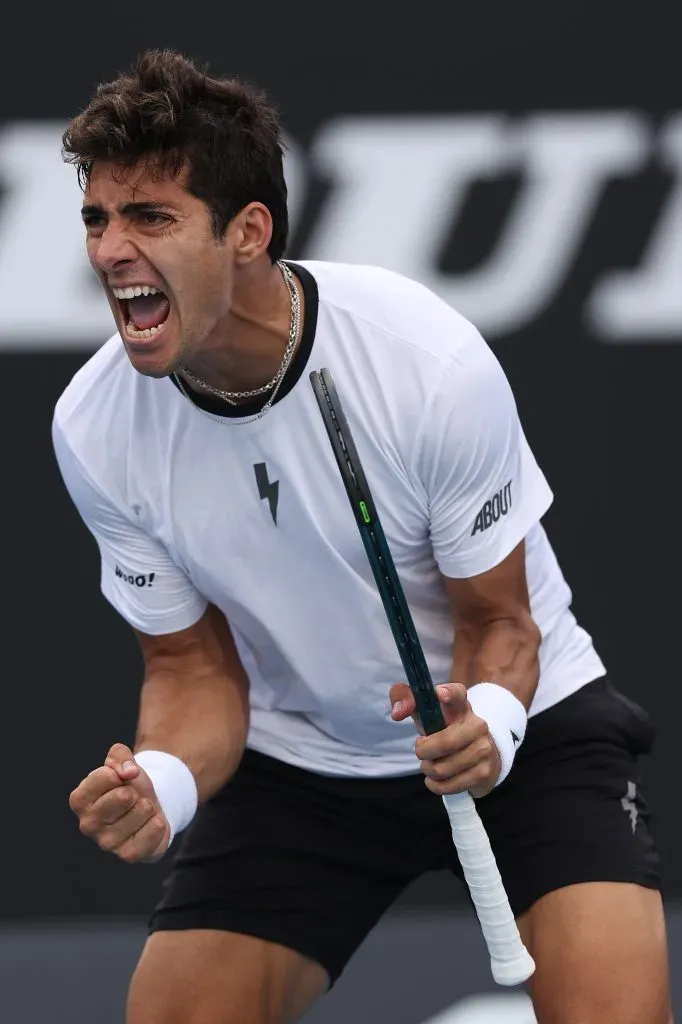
x=510, y=961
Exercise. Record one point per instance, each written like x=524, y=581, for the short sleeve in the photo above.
x=138, y=576
x=485, y=490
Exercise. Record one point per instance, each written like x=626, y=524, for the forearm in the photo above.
x=503, y=651
x=203, y=720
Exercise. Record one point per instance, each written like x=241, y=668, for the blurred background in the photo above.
x=525, y=161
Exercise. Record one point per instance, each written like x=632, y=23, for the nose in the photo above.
x=112, y=250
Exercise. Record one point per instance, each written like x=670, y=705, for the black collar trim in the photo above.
x=217, y=407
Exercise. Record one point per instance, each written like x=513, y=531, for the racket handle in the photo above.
x=510, y=961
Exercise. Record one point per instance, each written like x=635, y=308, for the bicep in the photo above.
x=498, y=593
x=204, y=649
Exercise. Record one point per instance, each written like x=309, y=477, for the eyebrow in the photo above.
x=127, y=210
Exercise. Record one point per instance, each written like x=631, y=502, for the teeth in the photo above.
x=132, y=331
x=131, y=293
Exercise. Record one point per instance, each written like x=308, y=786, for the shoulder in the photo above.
x=406, y=313
x=88, y=384
x=95, y=414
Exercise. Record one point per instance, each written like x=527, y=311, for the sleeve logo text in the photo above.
x=141, y=580
x=493, y=509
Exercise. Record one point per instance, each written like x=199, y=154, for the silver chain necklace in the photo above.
x=232, y=397
x=228, y=420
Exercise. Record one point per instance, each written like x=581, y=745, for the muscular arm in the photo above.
x=194, y=700
x=485, y=494
x=496, y=639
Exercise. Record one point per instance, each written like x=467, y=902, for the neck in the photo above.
x=253, y=343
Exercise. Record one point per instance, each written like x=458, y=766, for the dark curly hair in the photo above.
x=168, y=114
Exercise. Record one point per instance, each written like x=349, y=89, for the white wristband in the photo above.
x=174, y=785
x=506, y=718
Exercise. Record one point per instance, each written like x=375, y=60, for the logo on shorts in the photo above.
x=629, y=806
x=266, y=489
x=493, y=509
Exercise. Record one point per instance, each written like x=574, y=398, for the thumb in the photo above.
x=402, y=702
x=122, y=760
x=453, y=700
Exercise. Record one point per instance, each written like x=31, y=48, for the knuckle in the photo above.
x=107, y=843
x=129, y=854
x=439, y=786
x=456, y=736
x=481, y=789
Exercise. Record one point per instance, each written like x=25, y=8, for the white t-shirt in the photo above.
x=189, y=508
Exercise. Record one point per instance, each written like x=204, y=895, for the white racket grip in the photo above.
x=510, y=961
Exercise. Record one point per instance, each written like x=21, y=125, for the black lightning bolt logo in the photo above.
x=266, y=489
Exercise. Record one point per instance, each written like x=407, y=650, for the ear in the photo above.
x=251, y=231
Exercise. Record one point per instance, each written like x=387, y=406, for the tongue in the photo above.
x=148, y=310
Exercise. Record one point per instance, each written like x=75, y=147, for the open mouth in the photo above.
x=145, y=310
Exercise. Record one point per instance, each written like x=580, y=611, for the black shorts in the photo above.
x=312, y=862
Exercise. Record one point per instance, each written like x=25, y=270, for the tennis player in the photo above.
x=274, y=731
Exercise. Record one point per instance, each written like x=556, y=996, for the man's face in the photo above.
x=151, y=239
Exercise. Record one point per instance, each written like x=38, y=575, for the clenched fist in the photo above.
x=117, y=807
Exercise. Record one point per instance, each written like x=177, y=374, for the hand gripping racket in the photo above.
x=510, y=961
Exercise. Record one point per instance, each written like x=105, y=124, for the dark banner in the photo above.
x=525, y=162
